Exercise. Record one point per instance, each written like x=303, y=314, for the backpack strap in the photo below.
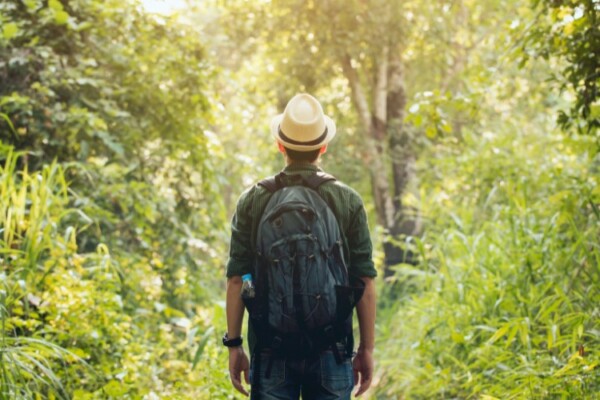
x=314, y=181
x=273, y=183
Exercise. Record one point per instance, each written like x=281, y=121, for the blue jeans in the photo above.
x=318, y=377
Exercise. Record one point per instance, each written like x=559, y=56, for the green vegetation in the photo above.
x=126, y=137
x=506, y=305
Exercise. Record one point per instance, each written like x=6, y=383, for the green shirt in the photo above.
x=345, y=203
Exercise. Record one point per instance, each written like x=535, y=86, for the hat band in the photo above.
x=296, y=142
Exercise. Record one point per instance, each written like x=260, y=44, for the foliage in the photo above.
x=126, y=137
x=76, y=87
x=75, y=82
x=25, y=213
x=127, y=262
x=87, y=324
x=506, y=295
x=567, y=31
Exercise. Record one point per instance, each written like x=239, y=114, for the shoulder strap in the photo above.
x=274, y=183
x=316, y=180
x=269, y=183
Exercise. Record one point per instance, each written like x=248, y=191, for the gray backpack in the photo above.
x=303, y=296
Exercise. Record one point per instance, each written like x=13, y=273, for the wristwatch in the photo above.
x=235, y=342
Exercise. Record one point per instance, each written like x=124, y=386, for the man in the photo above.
x=302, y=133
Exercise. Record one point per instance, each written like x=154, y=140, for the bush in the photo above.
x=507, y=293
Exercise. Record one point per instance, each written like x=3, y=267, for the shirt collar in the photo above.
x=302, y=167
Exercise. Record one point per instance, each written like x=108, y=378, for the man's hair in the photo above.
x=306, y=156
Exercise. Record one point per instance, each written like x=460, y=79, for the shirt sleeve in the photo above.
x=240, y=248
x=360, y=246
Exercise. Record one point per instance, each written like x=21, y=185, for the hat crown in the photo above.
x=303, y=126
x=303, y=118
x=304, y=111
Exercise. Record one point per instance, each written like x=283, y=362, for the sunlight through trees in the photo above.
x=129, y=128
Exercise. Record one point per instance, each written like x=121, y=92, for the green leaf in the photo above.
x=32, y=5
x=115, y=389
x=8, y=121
x=173, y=312
x=61, y=17
x=457, y=337
x=55, y=5
x=10, y=30
x=511, y=335
x=499, y=333
x=431, y=132
x=110, y=142
x=418, y=120
x=201, y=346
x=80, y=394
x=446, y=127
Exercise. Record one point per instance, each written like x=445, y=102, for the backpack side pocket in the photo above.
x=348, y=297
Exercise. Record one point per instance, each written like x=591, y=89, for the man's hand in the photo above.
x=238, y=363
x=363, y=365
x=363, y=362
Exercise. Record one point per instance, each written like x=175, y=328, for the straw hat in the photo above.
x=303, y=126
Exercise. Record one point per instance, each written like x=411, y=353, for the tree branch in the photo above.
x=380, y=95
x=358, y=95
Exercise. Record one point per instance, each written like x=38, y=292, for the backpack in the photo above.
x=303, y=299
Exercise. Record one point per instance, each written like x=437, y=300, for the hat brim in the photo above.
x=331, y=131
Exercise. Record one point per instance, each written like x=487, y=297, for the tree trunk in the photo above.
x=390, y=158
x=407, y=221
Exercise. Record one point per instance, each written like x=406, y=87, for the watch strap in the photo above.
x=234, y=342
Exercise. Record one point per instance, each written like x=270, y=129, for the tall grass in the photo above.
x=31, y=205
x=507, y=296
x=90, y=325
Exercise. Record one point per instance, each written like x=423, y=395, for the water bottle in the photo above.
x=248, y=289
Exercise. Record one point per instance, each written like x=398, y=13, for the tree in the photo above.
x=566, y=32
x=362, y=42
x=387, y=52
x=119, y=96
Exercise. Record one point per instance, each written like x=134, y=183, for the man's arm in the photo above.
x=238, y=360
x=234, y=307
x=363, y=363
x=240, y=263
x=361, y=265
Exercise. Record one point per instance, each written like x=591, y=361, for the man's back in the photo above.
x=345, y=203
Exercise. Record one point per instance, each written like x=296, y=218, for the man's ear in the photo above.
x=281, y=148
x=323, y=150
